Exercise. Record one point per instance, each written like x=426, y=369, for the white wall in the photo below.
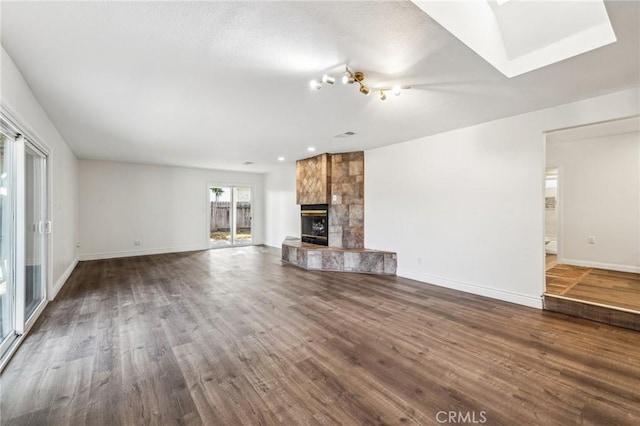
x=282, y=212
x=165, y=208
x=464, y=209
x=600, y=196
x=21, y=104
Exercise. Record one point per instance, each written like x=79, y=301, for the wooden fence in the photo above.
x=220, y=217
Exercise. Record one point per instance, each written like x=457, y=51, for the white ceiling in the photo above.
x=215, y=84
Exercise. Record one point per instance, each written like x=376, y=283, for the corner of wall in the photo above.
x=63, y=279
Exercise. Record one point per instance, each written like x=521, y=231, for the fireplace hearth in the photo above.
x=314, y=219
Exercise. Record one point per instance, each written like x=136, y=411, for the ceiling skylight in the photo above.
x=518, y=36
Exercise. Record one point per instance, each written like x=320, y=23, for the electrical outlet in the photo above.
x=591, y=239
x=136, y=242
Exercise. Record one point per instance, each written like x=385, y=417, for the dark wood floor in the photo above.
x=231, y=337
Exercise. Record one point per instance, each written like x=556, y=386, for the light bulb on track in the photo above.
x=315, y=84
x=328, y=79
x=347, y=79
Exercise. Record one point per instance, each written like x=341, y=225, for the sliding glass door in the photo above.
x=23, y=233
x=231, y=216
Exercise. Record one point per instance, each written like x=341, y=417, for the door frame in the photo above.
x=44, y=226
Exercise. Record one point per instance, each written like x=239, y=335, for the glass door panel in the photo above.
x=7, y=283
x=242, y=198
x=220, y=224
x=35, y=223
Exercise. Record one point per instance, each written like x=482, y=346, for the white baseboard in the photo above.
x=141, y=252
x=601, y=265
x=63, y=279
x=507, y=296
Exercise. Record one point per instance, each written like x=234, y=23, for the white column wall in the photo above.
x=283, y=214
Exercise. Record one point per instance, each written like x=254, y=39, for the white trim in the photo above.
x=602, y=265
x=543, y=283
x=559, y=215
x=144, y=252
x=19, y=126
x=494, y=293
x=20, y=230
x=63, y=278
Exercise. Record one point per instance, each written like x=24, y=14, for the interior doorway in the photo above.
x=592, y=231
x=230, y=215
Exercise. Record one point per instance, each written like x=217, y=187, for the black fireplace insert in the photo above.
x=315, y=224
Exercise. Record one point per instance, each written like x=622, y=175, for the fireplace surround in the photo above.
x=330, y=192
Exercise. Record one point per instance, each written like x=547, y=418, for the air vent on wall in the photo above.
x=345, y=135
x=247, y=163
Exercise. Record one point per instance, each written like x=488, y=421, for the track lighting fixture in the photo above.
x=351, y=77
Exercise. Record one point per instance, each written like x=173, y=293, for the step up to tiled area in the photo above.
x=593, y=311
x=603, y=295
x=321, y=258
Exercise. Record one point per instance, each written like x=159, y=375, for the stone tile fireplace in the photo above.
x=330, y=191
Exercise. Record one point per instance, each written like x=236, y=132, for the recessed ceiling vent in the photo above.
x=247, y=163
x=345, y=135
